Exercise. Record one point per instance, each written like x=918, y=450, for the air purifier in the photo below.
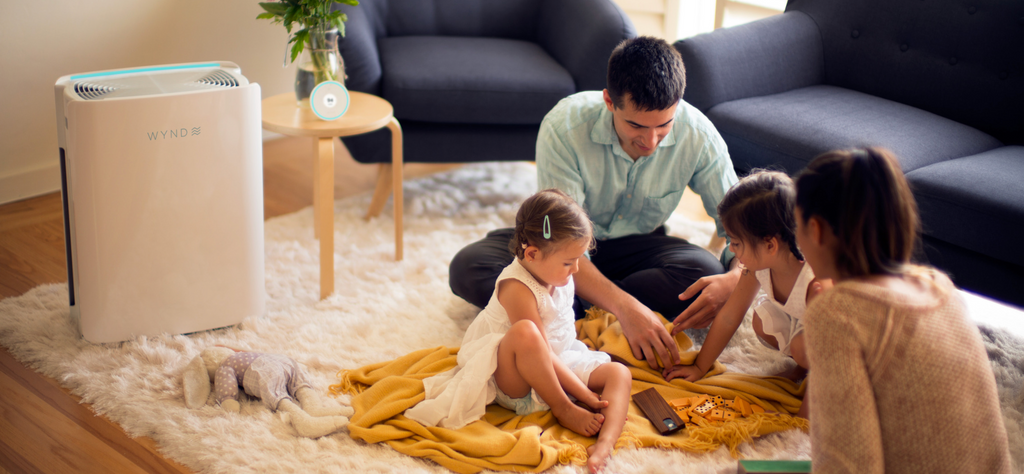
x=162, y=186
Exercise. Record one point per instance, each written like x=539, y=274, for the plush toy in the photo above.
x=275, y=379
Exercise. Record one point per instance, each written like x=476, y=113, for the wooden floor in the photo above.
x=44, y=428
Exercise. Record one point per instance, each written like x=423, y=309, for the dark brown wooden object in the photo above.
x=656, y=409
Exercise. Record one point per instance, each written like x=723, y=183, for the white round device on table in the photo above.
x=329, y=100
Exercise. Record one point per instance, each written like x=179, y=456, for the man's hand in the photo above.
x=714, y=292
x=647, y=336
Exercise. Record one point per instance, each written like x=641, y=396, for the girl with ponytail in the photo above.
x=757, y=214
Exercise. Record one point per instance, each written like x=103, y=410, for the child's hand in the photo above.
x=691, y=373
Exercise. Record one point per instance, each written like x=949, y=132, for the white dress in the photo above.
x=460, y=396
x=783, y=321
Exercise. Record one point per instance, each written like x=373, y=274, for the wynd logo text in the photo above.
x=172, y=133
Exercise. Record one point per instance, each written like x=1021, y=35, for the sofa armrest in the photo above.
x=768, y=56
x=580, y=35
x=358, y=47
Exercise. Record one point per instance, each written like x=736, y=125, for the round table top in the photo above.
x=366, y=113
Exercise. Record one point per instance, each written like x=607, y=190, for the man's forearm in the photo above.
x=598, y=290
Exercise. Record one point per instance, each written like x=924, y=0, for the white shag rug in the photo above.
x=381, y=309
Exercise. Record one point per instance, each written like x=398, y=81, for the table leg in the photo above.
x=396, y=181
x=323, y=211
x=381, y=192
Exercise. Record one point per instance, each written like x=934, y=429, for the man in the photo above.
x=626, y=155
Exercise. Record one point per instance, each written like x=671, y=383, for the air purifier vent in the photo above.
x=218, y=78
x=93, y=91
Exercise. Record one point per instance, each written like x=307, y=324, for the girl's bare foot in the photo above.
x=593, y=400
x=578, y=419
x=598, y=453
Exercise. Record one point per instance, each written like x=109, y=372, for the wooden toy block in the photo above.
x=756, y=408
x=679, y=403
x=730, y=415
x=703, y=408
x=716, y=415
x=718, y=400
x=742, y=406
x=656, y=409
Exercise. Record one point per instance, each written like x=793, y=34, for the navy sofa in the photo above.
x=471, y=80
x=938, y=82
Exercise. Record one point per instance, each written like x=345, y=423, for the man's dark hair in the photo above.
x=647, y=69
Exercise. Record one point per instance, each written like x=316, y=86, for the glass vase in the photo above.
x=319, y=62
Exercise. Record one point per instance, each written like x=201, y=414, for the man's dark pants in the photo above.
x=655, y=268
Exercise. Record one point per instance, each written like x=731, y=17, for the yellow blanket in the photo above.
x=501, y=440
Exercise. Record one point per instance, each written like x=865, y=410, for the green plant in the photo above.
x=313, y=15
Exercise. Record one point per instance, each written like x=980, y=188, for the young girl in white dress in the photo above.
x=521, y=351
x=757, y=214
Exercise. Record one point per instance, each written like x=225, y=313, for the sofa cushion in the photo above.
x=963, y=60
x=478, y=18
x=465, y=80
x=791, y=128
x=976, y=202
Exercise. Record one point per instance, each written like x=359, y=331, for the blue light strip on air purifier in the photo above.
x=144, y=69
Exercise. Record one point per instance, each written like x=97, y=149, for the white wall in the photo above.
x=43, y=40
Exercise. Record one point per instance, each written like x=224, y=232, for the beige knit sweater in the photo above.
x=900, y=382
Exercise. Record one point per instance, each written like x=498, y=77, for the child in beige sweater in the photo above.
x=901, y=379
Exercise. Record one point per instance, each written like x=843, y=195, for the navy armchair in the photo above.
x=939, y=83
x=470, y=80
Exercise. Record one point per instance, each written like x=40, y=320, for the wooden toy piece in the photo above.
x=756, y=408
x=742, y=406
x=679, y=403
x=718, y=400
x=716, y=414
x=683, y=416
x=656, y=409
x=704, y=408
x=700, y=399
x=730, y=415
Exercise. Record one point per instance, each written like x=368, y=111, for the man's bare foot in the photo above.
x=598, y=453
x=579, y=419
x=795, y=373
x=593, y=401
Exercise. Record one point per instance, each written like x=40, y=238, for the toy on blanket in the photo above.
x=714, y=408
x=274, y=378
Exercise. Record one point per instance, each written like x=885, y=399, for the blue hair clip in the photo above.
x=547, y=227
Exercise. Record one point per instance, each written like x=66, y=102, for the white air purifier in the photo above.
x=162, y=180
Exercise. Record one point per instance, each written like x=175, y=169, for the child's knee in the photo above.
x=616, y=373
x=525, y=331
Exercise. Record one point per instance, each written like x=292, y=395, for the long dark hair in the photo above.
x=567, y=222
x=864, y=196
x=760, y=206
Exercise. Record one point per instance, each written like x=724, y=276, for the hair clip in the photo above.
x=547, y=227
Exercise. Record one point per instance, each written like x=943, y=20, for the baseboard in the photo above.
x=36, y=182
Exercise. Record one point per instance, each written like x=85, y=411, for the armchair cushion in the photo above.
x=791, y=128
x=976, y=202
x=770, y=56
x=453, y=79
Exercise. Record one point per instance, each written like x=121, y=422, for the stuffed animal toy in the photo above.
x=275, y=379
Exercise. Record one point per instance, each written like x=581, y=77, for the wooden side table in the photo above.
x=366, y=113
